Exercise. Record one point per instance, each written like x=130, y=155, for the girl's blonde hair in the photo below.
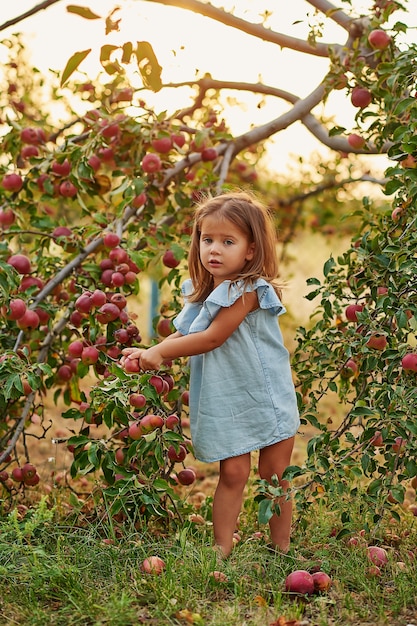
x=254, y=220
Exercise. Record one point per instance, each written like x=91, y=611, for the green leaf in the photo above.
x=72, y=64
x=404, y=105
x=84, y=12
x=265, y=511
x=328, y=266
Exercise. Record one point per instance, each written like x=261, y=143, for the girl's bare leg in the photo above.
x=273, y=460
x=227, y=502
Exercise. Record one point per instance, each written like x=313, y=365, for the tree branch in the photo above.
x=257, y=30
x=39, y=7
x=317, y=129
x=332, y=12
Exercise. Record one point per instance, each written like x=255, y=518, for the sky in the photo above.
x=186, y=43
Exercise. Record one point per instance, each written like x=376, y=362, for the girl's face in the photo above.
x=224, y=248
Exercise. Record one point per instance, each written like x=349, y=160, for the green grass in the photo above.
x=61, y=573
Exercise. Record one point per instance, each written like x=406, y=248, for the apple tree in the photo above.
x=90, y=208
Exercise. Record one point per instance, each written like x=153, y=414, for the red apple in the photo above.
x=28, y=471
x=164, y=327
x=157, y=382
x=398, y=445
x=178, y=139
x=29, y=320
x=409, y=362
x=12, y=182
x=377, y=555
x=186, y=476
x=162, y=144
x=30, y=135
x=352, y=310
x=150, y=422
x=67, y=189
x=356, y=141
x=185, y=397
x=29, y=151
x=118, y=256
x=169, y=259
x=138, y=400
x=379, y=39
x=177, y=455
x=151, y=163
x=377, y=341
x=322, y=581
x=131, y=366
x=139, y=200
x=94, y=162
x=153, y=565
x=111, y=240
x=397, y=213
x=300, y=581
x=7, y=217
x=75, y=348
x=377, y=439
x=209, y=154
x=349, y=369
x=361, y=97
x=20, y=262
x=172, y=421
x=109, y=312
x=17, y=475
x=89, y=355
x=135, y=431
x=64, y=373
x=17, y=309
x=62, y=168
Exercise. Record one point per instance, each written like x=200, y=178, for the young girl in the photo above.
x=242, y=396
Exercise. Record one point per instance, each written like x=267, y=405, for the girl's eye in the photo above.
x=206, y=240
x=228, y=242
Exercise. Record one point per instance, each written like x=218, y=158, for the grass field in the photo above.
x=67, y=568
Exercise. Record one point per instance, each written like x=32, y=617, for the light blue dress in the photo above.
x=242, y=395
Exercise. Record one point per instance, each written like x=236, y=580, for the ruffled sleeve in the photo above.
x=227, y=293
x=190, y=311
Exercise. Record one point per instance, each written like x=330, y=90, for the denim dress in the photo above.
x=242, y=395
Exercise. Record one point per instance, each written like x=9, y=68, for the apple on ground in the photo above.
x=377, y=555
x=322, y=581
x=153, y=565
x=300, y=581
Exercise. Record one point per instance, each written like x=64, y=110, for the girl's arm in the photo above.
x=177, y=345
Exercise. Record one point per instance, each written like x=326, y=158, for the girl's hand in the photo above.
x=150, y=359
x=132, y=353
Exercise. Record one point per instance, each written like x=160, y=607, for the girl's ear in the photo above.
x=250, y=252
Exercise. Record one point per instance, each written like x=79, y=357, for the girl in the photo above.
x=242, y=396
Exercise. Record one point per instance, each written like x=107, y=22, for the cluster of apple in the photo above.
x=26, y=475
x=149, y=421
x=376, y=340
x=361, y=97
x=303, y=582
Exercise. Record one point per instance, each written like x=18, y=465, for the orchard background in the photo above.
x=95, y=223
